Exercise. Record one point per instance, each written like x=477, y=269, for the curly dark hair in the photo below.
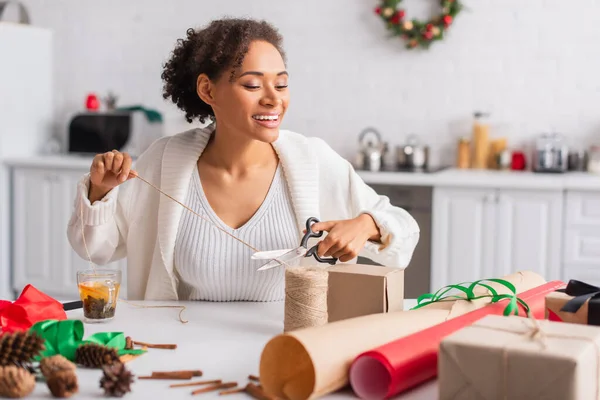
x=219, y=47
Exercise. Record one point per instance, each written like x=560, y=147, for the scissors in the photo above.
x=287, y=255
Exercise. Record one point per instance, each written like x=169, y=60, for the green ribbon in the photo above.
x=441, y=295
x=65, y=336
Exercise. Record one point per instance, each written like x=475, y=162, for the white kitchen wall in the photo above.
x=533, y=63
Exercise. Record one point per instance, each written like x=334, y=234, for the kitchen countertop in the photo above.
x=487, y=179
x=224, y=340
x=444, y=177
x=69, y=161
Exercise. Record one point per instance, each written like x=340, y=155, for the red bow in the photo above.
x=32, y=306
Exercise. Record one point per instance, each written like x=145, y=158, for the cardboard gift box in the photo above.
x=511, y=358
x=358, y=289
x=578, y=303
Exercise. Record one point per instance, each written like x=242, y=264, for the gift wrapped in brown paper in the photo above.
x=311, y=362
x=578, y=303
x=500, y=358
x=357, y=290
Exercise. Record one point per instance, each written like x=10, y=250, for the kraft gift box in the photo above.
x=358, y=289
x=578, y=303
x=510, y=358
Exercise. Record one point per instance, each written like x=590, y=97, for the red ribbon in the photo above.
x=32, y=306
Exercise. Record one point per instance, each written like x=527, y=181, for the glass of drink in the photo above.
x=99, y=291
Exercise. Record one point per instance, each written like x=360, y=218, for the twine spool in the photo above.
x=305, y=298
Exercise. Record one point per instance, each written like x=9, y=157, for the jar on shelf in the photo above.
x=481, y=137
x=593, y=162
x=463, y=159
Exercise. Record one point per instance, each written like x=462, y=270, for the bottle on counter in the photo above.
x=481, y=140
x=518, y=161
x=497, y=146
x=463, y=159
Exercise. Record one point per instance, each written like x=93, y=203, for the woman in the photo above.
x=243, y=176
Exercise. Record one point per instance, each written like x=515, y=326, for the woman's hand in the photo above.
x=108, y=171
x=346, y=238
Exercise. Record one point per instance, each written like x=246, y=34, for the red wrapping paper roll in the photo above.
x=32, y=306
x=407, y=362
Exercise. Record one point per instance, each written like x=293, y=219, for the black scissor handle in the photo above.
x=309, y=233
x=313, y=250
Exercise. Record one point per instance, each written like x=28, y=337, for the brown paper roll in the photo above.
x=311, y=362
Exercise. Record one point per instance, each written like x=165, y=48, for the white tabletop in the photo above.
x=224, y=340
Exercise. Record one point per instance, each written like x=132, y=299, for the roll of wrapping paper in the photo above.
x=311, y=362
x=412, y=360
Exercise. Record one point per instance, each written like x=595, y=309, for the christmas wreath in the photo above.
x=415, y=32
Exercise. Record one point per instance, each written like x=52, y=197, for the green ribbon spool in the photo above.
x=65, y=336
x=441, y=295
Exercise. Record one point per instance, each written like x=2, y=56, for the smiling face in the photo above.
x=253, y=104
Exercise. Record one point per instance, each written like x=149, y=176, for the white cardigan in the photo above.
x=136, y=221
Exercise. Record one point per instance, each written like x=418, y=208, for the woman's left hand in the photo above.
x=346, y=238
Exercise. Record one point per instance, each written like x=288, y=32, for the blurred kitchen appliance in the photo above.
x=551, y=154
x=99, y=132
x=417, y=200
x=371, y=150
x=578, y=160
x=26, y=112
x=413, y=154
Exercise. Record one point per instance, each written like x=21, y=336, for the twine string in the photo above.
x=182, y=308
x=207, y=219
x=197, y=214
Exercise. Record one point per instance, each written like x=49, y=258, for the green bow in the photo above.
x=440, y=295
x=65, y=336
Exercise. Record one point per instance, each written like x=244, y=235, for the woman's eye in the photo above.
x=281, y=86
x=251, y=87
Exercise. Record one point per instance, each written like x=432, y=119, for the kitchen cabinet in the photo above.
x=581, y=257
x=483, y=233
x=42, y=203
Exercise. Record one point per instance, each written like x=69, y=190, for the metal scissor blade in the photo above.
x=285, y=258
x=270, y=254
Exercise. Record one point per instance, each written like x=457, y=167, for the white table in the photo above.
x=224, y=340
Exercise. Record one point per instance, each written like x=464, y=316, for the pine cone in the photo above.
x=95, y=356
x=116, y=380
x=63, y=383
x=56, y=363
x=15, y=382
x=20, y=348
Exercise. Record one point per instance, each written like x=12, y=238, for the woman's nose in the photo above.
x=271, y=98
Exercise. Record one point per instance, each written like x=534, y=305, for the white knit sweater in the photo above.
x=214, y=266
x=135, y=221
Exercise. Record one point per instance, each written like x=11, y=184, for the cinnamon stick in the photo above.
x=169, y=375
x=257, y=392
x=128, y=343
x=215, y=387
x=155, y=346
x=254, y=378
x=197, y=383
x=232, y=391
x=194, y=372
